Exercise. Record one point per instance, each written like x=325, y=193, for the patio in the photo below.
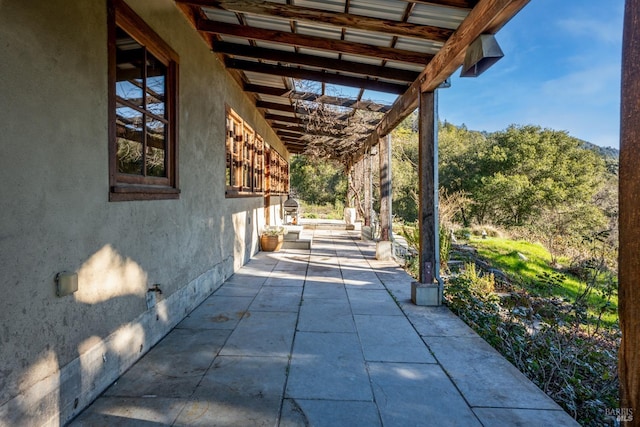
x=322, y=337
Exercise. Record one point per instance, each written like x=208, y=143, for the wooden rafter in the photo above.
x=314, y=61
x=342, y=20
x=280, y=127
x=266, y=90
x=286, y=119
x=276, y=106
x=341, y=102
x=302, y=40
x=290, y=134
x=318, y=76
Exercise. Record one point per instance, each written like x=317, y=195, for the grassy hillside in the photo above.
x=535, y=272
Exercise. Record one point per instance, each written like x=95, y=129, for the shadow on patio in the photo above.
x=322, y=337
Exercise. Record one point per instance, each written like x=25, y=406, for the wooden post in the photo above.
x=348, y=167
x=425, y=291
x=367, y=187
x=385, y=188
x=629, y=240
x=428, y=204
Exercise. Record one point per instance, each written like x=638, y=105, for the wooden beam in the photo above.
x=289, y=134
x=285, y=127
x=319, y=76
x=304, y=131
x=341, y=102
x=276, y=106
x=336, y=19
x=293, y=141
x=301, y=40
x=267, y=90
x=385, y=188
x=487, y=15
x=314, y=61
x=279, y=118
x=629, y=227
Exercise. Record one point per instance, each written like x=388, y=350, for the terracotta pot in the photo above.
x=271, y=243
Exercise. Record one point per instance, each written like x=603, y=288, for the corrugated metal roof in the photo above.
x=367, y=37
x=383, y=9
x=342, y=54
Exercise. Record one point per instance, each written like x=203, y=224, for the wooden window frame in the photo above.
x=127, y=187
x=278, y=174
x=244, y=153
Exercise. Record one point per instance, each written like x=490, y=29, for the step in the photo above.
x=297, y=244
x=293, y=232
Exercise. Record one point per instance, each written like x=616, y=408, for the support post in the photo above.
x=384, y=248
x=366, y=184
x=369, y=185
x=349, y=211
x=629, y=228
x=426, y=291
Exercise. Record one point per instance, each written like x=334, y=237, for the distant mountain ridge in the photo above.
x=606, y=152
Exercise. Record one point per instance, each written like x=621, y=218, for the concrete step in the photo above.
x=293, y=232
x=297, y=244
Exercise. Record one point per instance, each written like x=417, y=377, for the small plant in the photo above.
x=274, y=230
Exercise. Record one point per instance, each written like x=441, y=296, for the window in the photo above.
x=245, y=158
x=277, y=179
x=143, y=76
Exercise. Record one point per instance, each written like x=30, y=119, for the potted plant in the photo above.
x=272, y=237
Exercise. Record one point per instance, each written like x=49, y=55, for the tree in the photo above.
x=318, y=183
x=404, y=163
x=523, y=171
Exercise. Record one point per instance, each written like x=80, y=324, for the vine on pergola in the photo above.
x=333, y=131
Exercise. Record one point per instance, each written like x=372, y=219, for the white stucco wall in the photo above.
x=57, y=354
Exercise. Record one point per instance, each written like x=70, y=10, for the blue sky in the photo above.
x=561, y=70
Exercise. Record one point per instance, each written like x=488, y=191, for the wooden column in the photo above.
x=348, y=168
x=629, y=249
x=428, y=191
x=367, y=186
x=385, y=188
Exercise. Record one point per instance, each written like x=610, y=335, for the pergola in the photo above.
x=317, y=70
x=296, y=58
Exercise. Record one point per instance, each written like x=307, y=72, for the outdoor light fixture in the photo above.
x=480, y=55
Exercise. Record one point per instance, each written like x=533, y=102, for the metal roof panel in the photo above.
x=316, y=52
x=362, y=59
x=381, y=9
x=275, y=46
x=414, y=45
x=268, y=23
x=220, y=15
x=368, y=37
x=311, y=29
x=275, y=100
x=328, y=5
x=444, y=17
x=233, y=39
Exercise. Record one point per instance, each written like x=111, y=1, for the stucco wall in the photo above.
x=56, y=215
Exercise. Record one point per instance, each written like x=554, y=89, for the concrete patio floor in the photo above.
x=322, y=337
